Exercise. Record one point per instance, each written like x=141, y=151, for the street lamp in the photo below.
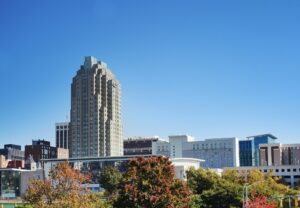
x=245, y=192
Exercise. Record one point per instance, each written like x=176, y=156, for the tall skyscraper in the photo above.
x=96, y=126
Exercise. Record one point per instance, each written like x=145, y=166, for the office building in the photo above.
x=96, y=126
x=216, y=153
x=62, y=135
x=12, y=152
x=139, y=145
x=290, y=154
x=249, y=149
x=279, y=154
x=40, y=149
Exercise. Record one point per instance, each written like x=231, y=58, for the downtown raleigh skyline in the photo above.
x=95, y=128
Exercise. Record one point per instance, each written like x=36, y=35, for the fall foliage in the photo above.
x=151, y=183
x=256, y=200
x=62, y=189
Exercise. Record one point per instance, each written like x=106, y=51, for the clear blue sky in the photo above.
x=206, y=68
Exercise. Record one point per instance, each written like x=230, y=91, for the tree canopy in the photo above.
x=63, y=189
x=110, y=178
x=151, y=183
x=211, y=190
x=265, y=184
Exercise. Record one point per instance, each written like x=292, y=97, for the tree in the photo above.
x=151, y=183
x=62, y=189
x=257, y=200
x=264, y=184
x=213, y=191
x=110, y=178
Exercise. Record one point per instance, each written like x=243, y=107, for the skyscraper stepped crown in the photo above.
x=96, y=125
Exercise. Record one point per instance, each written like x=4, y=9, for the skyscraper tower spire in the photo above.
x=96, y=125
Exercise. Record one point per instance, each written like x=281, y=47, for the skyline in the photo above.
x=207, y=69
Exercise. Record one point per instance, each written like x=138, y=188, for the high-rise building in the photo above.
x=62, y=135
x=249, y=149
x=96, y=126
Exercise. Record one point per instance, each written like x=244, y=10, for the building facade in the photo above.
x=96, y=125
x=216, y=153
x=40, y=149
x=62, y=135
x=14, y=182
x=279, y=154
x=246, y=152
x=249, y=149
x=139, y=145
x=12, y=152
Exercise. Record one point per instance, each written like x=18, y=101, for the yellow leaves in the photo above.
x=62, y=190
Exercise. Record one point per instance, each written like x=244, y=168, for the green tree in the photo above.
x=110, y=178
x=63, y=189
x=211, y=190
x=151, y=183
x=264, y=184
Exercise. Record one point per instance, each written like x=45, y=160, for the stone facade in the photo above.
x=96, y=126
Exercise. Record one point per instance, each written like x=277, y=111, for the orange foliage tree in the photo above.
x=151, y=183
x=62, y=189
x=256, y=201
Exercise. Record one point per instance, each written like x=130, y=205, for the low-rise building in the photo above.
x=12, y=152
x=182, y=165
x=216, y=153
x=290, y=173
x=14, y=182
x=139, y=145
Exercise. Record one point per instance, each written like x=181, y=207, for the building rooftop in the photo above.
x=262, y=135
x=107, y=158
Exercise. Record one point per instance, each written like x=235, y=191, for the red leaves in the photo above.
x=150, y=183
x=259, y=201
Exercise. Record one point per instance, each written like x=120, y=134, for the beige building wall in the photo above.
x=96, y=125
x=62, y=153
x=3, y=161
x=263, y=157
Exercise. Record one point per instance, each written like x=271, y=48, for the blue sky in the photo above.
x=206, y=68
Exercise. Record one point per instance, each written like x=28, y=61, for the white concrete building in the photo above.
x=217, y=153
x=290, y=173
x=182, y=165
